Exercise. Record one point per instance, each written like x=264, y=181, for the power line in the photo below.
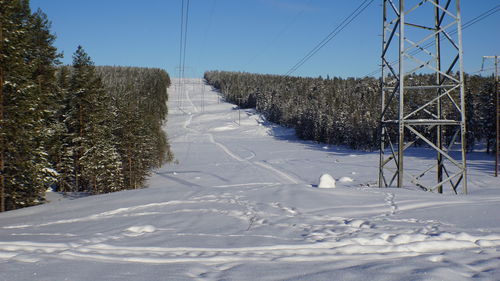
x=482, y=70
x=181, y=41
x=482, y=16
x=352, y=16
x=185, y=38
x=473, y=21
x=182, y=48
x=278, y=35
x=207, y=30
x=329, y=37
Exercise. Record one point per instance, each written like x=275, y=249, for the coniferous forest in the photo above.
x=77, y=128
x=84, y=128
x=343, y=111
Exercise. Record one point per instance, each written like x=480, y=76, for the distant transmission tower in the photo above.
x=423, y=37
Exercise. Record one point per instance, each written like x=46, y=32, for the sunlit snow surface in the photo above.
x=242, y=205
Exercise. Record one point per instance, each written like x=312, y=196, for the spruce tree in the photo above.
x=89, y=121
x=487, y=114
x=27, y=70
x=139, y=96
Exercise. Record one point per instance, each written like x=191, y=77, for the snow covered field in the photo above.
x=242, y=204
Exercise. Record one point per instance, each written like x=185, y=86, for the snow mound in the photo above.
x=345, y=179
x=224, y=128
x=356, y=223
x=140, y=229
x=326, y=181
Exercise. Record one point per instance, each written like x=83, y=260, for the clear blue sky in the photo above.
x=260, y=36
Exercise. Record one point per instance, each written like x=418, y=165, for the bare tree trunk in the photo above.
x=79, y=152
x=130, y=168
x=2, y=145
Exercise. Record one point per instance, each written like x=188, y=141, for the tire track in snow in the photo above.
x=268, y=167
x=288, y=178
x=252, y=155
x=398, y=245
x=226, y=150
x=132, y=211
x=248, y=212
x=277, y=172
x=247, y=184
x=188, y=98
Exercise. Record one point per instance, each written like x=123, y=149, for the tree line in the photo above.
x=77, y=128
x=345, y=111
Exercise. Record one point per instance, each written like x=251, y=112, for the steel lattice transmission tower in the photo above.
x=423, y=100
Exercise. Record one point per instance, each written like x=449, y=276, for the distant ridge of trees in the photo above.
x=110, y=126
x=78, y=128
x=342, y=111
x=140, y=98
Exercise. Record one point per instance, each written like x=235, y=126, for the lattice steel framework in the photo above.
x=422, y=40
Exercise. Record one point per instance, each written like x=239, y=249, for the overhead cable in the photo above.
x=351, y=17
x=473, y=21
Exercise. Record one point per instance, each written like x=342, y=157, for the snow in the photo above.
x=140, y=230
x=326, y=181
x=345, y=179
x=50, y=171
x=238, y=206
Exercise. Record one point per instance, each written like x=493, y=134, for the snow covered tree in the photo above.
x=487, y=114
x=28, y=80
x=88, y=118
x=101, y=166
x=338, y=111
x=139, y=96
x=60, y=127
x=60, y=155
x=27, y=68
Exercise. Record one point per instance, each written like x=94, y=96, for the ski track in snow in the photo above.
x=288, y=178
x=382, y=245
x=282, y=228
x=325, y=238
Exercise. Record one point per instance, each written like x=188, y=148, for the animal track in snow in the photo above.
x=292, y=211
x=389, y=199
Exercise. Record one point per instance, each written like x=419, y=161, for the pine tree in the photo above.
x=27, y=70
x=90, y=142
x=470, y=118
x=2, y=134
x=63, y=129
x=140, y=97
x=57, y=149
x=487, y=114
